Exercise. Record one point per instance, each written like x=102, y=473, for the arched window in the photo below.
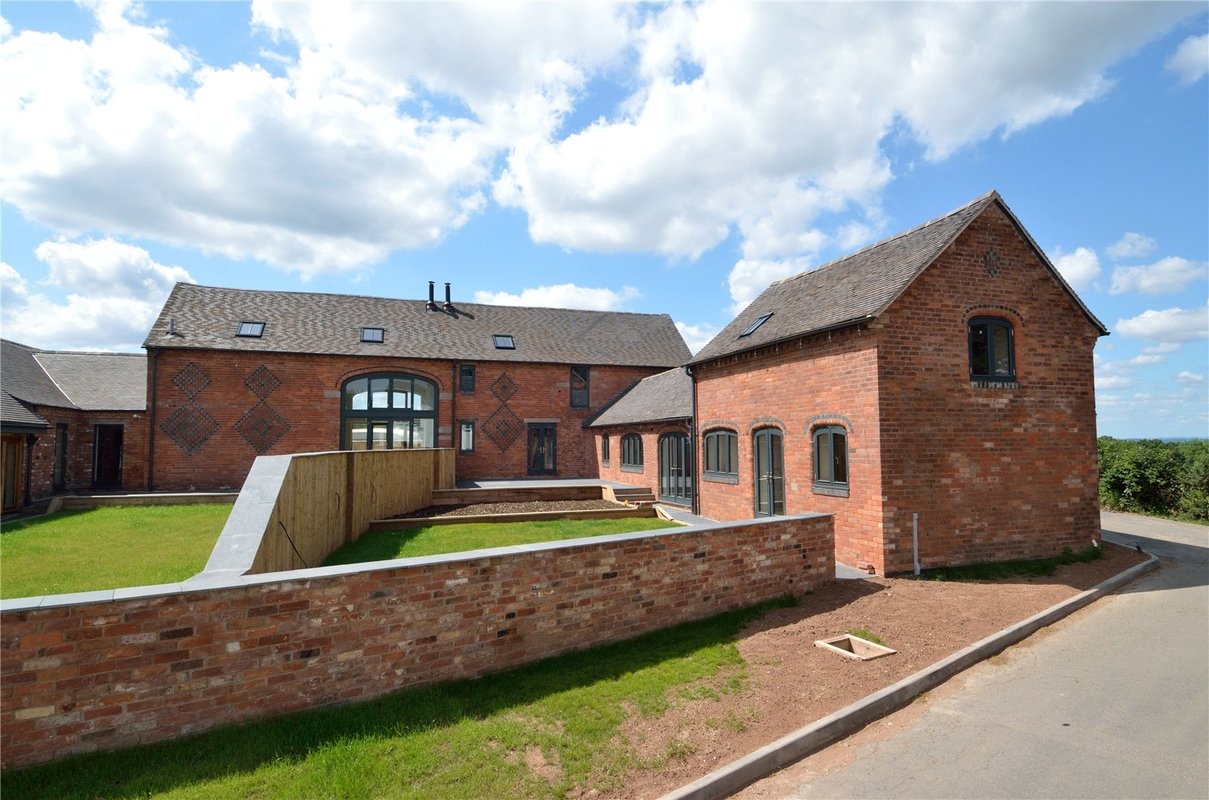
x=631, y=452
x=831, y=459
x=721, y=453
x=387, y=411
x=992, y=349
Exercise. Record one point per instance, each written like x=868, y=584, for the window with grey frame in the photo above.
x=387, y=411
x=992, y=350
x=721, y=455
x=631, y=452
x=466, y=377
x=579, y=386
x=466, y=436
x=604, y=449
x=831, y=461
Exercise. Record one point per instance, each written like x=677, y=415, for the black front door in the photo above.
x=675, y=469
x=769, y=471
x=107, y=457
x=543, y=448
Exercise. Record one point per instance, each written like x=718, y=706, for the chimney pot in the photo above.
x=448, y=298
x=432, y=300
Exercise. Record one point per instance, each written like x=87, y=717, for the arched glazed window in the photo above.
x=992, y=349
x=721, y=453
x=387, y=411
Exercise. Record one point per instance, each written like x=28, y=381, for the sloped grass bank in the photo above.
x=437, y=539
x=551, y=729
x=111, y=547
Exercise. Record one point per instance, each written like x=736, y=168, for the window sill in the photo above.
x=830, y=491
x=631, y=468
x=720, y=477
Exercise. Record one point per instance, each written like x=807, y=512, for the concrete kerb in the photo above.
x=848, y=720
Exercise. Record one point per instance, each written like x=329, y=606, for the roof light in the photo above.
x=503, y=341
x=752, y=327
x=250, y=330
x=373, y=335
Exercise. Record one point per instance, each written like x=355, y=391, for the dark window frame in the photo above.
x=249, y=329
x=752, y=328
x=833, y=477
x=604, y=449
x=462, y=425
x=466, y=378
x=390, y=413
x=983, y=364
x=580, y=396
x=631, y=453
x=368, y=333
x=718, y=466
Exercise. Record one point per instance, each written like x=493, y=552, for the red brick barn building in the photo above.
x=235, y=373
x=70, y=422
x=644, y=438
x=945, y=372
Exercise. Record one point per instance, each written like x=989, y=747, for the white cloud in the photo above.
x=750, y=277
x=563, y=295
x=1166, y=275
x=113, y=292
x=1163, y=348
x=1190, y=378
x=1168, y=325
x=1191, y=59
x=1147, y=359
x=1131, y=245
x=392, y=122
x=12, y=286
x=1079, y=268
x=1112, y=382
x=697, y=336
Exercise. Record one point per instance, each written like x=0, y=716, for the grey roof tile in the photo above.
x=99, y=381
x=856, y=287
x=663, y=396
x=14, y=412
x=295, y=322
x=23, y=377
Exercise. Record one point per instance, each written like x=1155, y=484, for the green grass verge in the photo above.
x=1035, y=568
x=868, y=636
x=107, y=548
x=433, y=540
x=468, y=739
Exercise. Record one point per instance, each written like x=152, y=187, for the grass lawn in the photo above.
x=435, y=539
x=469, y=739
x=107, y=548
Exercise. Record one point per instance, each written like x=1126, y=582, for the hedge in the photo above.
x=1150, y=476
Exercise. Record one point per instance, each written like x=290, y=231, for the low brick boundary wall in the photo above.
x=111, y=669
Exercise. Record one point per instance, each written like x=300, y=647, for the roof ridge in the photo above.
x=416, y=301
x=989, y=196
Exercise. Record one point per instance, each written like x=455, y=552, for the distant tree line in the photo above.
x=1149, y=476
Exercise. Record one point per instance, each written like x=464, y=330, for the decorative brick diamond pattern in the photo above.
x=503, y=427
x=261, y=427
x=991, y=262
x=189, y=427
x=504, y=388
x=262, y=382
x=191, y=380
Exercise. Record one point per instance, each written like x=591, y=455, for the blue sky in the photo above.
x=653, y=158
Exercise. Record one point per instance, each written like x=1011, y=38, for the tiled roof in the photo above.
x=99, y=381
x=208, y=317
x=666, y=395
x=856, y=287
x=86, y=381
x=14, y=412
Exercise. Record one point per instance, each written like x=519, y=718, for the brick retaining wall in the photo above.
x=113, y=669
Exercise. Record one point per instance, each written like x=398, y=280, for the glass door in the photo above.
x=769, y=471
x=675, y=469
x=543, y=448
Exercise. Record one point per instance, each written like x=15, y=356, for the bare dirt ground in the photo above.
x=788, y=682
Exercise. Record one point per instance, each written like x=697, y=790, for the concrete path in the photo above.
x=1112, y=702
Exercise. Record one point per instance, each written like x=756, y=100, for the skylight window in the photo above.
x=373, y=335
x=503, y=341
x=752, y=327
x=251, y=330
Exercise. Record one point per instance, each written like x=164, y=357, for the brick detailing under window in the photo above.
x=504, y=388
x=503, y=427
